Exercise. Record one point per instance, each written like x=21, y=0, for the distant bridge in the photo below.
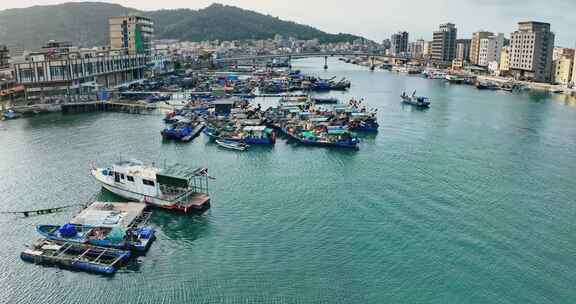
x=298, y=55
x=291, y=56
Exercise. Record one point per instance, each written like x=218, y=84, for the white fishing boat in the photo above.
x=175, y=188
x=233, y=145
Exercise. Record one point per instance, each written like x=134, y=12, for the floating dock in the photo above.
x=75, y=256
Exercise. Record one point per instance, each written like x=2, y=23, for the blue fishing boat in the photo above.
x=137, y=239
x=363, y=122
x=417, y=101
x=258, y=135
x=178, y=131
x=10, y=114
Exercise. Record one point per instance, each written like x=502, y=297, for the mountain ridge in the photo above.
x=85, y=24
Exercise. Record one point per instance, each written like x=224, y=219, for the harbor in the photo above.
x=436, y=195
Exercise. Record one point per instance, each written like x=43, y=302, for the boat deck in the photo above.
x=196, y=201
x=103, y=214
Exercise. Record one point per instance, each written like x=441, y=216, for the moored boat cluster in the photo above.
x=104, y=237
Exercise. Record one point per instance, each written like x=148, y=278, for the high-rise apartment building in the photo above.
x=490, y=50
x=531, y=50
x=475, y=45
x=399, y=44
x=463, y=49
x=4, y=57
x=444, y=44
x=132, y=32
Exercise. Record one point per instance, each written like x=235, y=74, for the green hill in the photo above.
x=85, y=24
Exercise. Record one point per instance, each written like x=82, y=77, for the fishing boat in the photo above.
x=137, y=239
x=486, y=86
x=177, y=131
x=363, y=122
x=336, y=138
x=417, y=101
x=10, y=114
x=258, y=135
x=76, y=256
x=175, y=188
x=454, y=79
x=328, y=100
x=232, y=144
x=198, y=127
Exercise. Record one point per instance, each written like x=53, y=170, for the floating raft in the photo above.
x=75, y=256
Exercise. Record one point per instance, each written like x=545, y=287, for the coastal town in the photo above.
x=61, y=72
x=172, y=155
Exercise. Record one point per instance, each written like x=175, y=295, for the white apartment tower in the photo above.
x=490, y=49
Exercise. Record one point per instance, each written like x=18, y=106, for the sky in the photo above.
x=377, y=19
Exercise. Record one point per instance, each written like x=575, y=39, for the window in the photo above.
x=122, y=175
x=130, y=178
x=148, y=182
x=110, y=173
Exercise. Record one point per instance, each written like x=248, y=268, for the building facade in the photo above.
x=531, y=52
x=68, y=78
x=463, y=49
x=399, y=44
x=416, y=48
x=444, y=44
x=4, y=57
x=504, y=61
x=490, y=50
x=475, y=45
x=563, y=66
x=133, y=33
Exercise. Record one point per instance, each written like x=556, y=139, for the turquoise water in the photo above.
x=471, y=201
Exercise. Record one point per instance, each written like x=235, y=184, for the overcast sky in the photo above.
x=377, y=19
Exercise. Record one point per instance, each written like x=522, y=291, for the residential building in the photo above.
x=563, y=67
x=560, y=52
x=573, y=82
x=416, y=48
x=134, y=33
x=444, y=44
x=399, y=44
x=458, y=64
x=463, y=49
x=504, y=61
x=427, y=51
x=531, y=51
x=490, y=50
x=475, y=45
x=4, y=57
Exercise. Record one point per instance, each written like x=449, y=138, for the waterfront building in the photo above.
x=77, y=74
x=531, y=51
x=4, y=57
x=416, y=48
x=463, y=49
x=134, y=33
x=504, y=61
x=475, y=45
x=427, y=51
x=399, y=44
x=444, y=44
x=490, y=50
x=386, y=44
x=573, y=82
x=560, y=52
x=563, y=68
x=458, y=64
